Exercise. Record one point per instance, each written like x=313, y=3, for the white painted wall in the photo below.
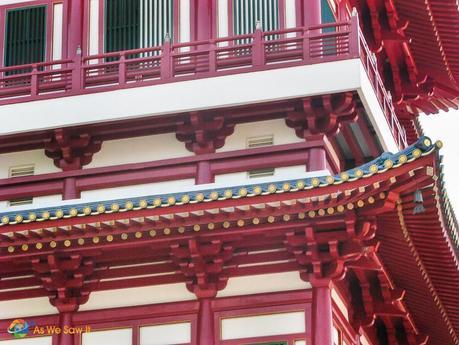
x=185, y=21
x=263, y=325
x=121, y=336
x=43, y=164
x=222, y=13
x=57, y=30
x=174, y=333
x=20, y=308
x=28, y=341
x=94, y=48
x=141, y=149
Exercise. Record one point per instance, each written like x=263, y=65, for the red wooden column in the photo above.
x=322, y=321
x=317, y=158
x=203, y=19
x=312, y=12
x=74, y=27
x=65, y=321
x=205, y=322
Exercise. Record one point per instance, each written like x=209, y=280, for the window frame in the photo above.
x=49, y=20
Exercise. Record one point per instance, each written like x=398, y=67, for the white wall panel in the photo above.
x=57, y=31
x=174, y=333
x=185, y=22
x=94, y=28
x=43, y=164
x=141, y=149
x=263, y=325
x=26, y=307
x=112, y=337
x=222, y=18
x=28, y=341
x=290, y=13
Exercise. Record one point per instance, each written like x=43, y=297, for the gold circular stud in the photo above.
x=181, y=229
x=403, y=159
x=374, y=168
x=242, y=192
x=300, y=184
x=226, y=224
x=125, y=236
x=53, y=244
x=171, y=200
x=46, y=215
x=315, y=182
x=286, y=217
x=129, y=205
x=32, y=216
x=256, y=221
x=344, y=176
x=73, y=212
x=167, y=231
x=213, y=195
x=382, y=195
x=143, y=203
x=211, y=226
x=11, y=249
x=138, y=234
x=109, y=238
x=115, y=207
x=67, y=243
x=350, y=206
x=340, y=208
x=95, y=240
x=228, y=193
x=371, y=200
x=417, y=153
x=286, y=187
x=5, y=220
x=330, y=210
x=152, y=233
x=101, y=208
x=185, y=199
x=87, y=211
x=439, y=144
x=240, y=222
x=321, y=212
x=157, y=202
x=272, y=188
x=271, y=219
x=311, y=214
x=257, y=190
x=360, y=203
x=358, y=173
x=80, y=241
x=59, y=213
x=301, y=215
x=388, y=163
x=197, y=227
x=25, y=247
x=427, y=142
x=199, y=197
x=39, y=245
x=18, y=218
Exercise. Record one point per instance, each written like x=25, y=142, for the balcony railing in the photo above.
x=200, y=59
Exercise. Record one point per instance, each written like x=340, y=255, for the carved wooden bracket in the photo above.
x=203, y=133
x=323, y=114
x=71, y=151
x=65, y=279
x=202, y=264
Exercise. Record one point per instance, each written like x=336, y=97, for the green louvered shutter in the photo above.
x=25, y=37
x=246, y=13
x=132, y=24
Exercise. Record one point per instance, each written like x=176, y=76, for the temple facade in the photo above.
x=226, y=172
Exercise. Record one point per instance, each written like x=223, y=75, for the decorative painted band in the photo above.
x=386, y=161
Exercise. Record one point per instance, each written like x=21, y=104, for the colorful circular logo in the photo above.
x=19, y=328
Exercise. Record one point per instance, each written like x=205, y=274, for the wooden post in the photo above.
x=122, y=69
x=203, y=20
x=312, y=14
x=203, y=173
x=205, y=322
x=75, y=28
x=34, y=81
x=70, y=190
x=322, y=321
x=317, y=158
x=258, y=48
x=65, y=321
x=166, y=61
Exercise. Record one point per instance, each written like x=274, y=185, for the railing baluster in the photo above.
x=34, y=81
x=76, y=73
x=306, y=46
x=258, y=48
x=122, y=69
x=212, y=57
x=166, y=61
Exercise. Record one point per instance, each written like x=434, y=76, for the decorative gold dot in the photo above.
x=427, y=142
x=138, y=234
x=358, y=173
x=25, y=247
x=257, y=190
x=388, y=164
x=371, y=200
x=286, y=187
x=73, y=212
x=171, y=200
x=87, y=211
x=311, y=214
x=196, y=227
x=226, y=224
x=256, y=221
x=181, y=229
x=101, y=208
x=167, y=231
x=360, y=203
x=344, y=176
x=53, y=244
x=242, y=192
x=301, y=215
x=59, y=213
x=321, y=212
x=10, y=249
x=272, y=188
x=403, y=159
x=382, y=195
x=18, y=218
x=214, y=196
x=300, y=184
x=330, y=210
x=199, y=197
x=350, y=206
x=286, y=217
x=115, y=207
x=228, y=193
x=439, y=144
x=67, y=243
x=157, y=202
x=315, y=182
x=129, y=205
x=80, y=241
x=109, y=238
x=5, y=220
x=271, y=219
x=39, y=245
x=143, y=203
x=374, y=168
x=95, y=239
x=32, y=216
x=240, y=222
x=125, y=236
x=185, y=199
x=211, y=226
x=330, y=179
x=417, y=153
x=46, y=215
x=340, y=208
x=152, y=233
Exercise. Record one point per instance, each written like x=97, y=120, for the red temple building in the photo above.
x=226, y=172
